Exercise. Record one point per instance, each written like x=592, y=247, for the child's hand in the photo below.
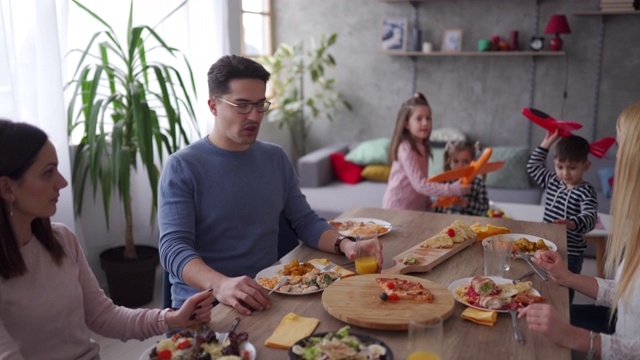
x=465, y=189
x=462, y=202
x=571, y=225
x=549, y=139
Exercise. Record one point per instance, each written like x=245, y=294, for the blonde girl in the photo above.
x=459, y=154
x=409, y=155
x=622, y=293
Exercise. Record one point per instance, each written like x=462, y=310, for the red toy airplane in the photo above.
x=564, y=128
x=477, y=167
x=600, y=147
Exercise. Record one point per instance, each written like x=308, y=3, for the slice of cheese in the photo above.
x=437, y=242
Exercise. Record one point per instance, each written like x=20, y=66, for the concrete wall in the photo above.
x=483, y=96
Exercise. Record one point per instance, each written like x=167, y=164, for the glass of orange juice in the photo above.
x=367, y=252
x=425, y=339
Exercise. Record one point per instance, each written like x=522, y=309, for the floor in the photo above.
x=111, y=349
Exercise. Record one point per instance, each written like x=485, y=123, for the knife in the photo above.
x=540, y=271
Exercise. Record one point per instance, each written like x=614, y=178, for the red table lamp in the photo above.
x=557, y=25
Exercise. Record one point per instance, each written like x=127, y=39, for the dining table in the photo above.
x=462, y=339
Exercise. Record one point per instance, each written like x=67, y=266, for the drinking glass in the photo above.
x=493, y=261
x=501, y=242
x=425, y=339
x=367, y=252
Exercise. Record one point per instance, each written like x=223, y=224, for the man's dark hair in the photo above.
x=572, y=148
x=230, y=67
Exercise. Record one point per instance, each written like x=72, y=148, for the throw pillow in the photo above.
x=606, y=180
x=370, y=152
x=514, y=173
x=378, y=173
x=345, y=171
x=436, y=164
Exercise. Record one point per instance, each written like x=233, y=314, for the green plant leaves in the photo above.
x=129, y=106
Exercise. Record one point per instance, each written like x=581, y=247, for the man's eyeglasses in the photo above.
x=245, y=108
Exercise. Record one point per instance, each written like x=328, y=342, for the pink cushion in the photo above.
x=345, y=171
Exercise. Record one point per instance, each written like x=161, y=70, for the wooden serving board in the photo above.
x=430, y=258
x=356, y=301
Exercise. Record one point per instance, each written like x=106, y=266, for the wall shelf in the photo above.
x=600, y=13
x=475, y=53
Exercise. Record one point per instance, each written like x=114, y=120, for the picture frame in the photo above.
x=394, y=34
x=451, y=40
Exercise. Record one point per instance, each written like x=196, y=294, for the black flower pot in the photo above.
x=130, y=282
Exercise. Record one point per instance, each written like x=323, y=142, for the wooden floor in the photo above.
x=111, y=349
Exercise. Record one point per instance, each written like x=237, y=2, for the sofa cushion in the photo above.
x=379, y=173
x=514, y=173
x=606, y=180
x=370, y=152
x=436, y=164
x=345, y=171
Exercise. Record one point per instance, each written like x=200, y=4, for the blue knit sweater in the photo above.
x=224, y=206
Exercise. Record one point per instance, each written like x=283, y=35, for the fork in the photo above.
x=515, y=281
x=225, y=336
x=516, y=330
x=282, y=282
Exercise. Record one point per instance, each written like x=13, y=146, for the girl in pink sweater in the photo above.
x=409, y=155
x=49, y=298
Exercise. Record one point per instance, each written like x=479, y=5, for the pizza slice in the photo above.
x=400, y=289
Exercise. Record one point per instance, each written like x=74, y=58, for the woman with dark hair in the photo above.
x=49, y=298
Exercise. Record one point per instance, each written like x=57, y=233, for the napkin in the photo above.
x=339, y=269
x=291, y=329
x=482, y=317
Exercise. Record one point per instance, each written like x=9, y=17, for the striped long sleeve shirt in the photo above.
x=578, y=204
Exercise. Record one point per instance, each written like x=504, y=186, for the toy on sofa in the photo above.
x=552, y=125
x=477, y=167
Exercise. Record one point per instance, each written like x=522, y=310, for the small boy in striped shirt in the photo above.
x=569, y=199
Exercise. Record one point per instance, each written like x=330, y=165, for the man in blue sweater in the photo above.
x=220, y=198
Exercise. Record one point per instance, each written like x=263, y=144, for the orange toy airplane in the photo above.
x=477, y=167
x=540, y=118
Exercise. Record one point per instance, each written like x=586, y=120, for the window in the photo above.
x=256, y=27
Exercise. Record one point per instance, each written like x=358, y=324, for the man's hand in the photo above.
x=243, y=294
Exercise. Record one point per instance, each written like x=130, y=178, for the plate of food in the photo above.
x=197, y=343
x=494, y=293
x=528, y=244
x=302, y=278
x=340, y=345
x=350, y=226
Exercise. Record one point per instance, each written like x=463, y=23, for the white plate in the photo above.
x=467, y=281
x=272, y=271
x=245, y=346
x=515, y=237
x=365, y=220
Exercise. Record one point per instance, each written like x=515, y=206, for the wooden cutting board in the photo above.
x=356, y=301
x=430, y=258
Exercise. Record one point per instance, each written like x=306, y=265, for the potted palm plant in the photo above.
x=300, y=90
x=131, y=109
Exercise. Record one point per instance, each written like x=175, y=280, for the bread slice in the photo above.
x=440, y=241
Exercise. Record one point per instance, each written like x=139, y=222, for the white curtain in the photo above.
x=36, y=36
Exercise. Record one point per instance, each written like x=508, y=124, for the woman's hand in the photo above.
x=553, y=264
x=349, y=249
x=544, y=319
x=195, y=310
